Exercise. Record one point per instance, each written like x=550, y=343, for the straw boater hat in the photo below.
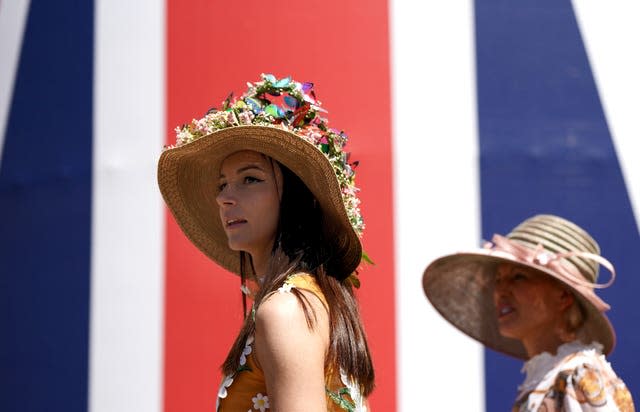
x=460, y=286
x=281, y=119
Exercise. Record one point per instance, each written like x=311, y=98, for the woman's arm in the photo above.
x=291, y=354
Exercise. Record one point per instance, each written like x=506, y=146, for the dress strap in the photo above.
x=303, y=281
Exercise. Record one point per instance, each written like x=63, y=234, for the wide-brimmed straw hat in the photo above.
x=280, y=119
x=460, y=286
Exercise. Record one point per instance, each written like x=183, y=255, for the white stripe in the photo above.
x=436, y=193
x=13, y=17
x=127, y=268
x=611, y=31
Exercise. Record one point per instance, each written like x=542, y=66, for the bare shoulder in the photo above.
x=282, y=313
x=291, y=354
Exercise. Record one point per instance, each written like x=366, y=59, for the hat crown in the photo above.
x=558, y=235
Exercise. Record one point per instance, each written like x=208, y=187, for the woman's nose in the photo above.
x=225, y=197
x=499, y=288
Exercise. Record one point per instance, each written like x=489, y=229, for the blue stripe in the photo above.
x=546, y=148
x=45, y=201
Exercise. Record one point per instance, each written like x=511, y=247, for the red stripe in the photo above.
x=214, y=48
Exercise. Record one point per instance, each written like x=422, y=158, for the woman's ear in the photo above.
x=566, y=299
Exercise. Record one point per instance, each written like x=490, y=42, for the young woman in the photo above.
x=531, y=295
x=264, y=188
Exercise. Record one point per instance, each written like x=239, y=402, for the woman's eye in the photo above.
x=221, y=186
x=251, y=179
x=519, y=276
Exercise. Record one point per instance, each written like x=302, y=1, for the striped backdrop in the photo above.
x=467, y=117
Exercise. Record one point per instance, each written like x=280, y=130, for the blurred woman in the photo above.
x=531, y=295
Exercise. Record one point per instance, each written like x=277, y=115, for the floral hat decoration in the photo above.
x=282, y=119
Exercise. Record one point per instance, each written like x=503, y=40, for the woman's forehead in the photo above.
x=505, y=269
x=244, y=157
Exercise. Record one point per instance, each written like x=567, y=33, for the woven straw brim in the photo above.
x=188, y=177
x=460, y=287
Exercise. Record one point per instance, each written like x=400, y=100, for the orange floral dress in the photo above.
x=577, y=378
x=246, y=390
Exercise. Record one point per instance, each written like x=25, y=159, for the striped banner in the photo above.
x=467, y=117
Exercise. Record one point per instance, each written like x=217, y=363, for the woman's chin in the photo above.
x=507, y=332
x=236, y=248
x=237, y=245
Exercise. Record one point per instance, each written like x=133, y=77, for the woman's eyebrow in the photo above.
x=244, y=169
x=249, y=167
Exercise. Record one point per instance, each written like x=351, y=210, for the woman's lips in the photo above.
x=504, y=310
x=234, y=222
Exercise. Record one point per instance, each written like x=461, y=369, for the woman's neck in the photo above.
x=545, y=341
x=259, y=266
x=260, y=261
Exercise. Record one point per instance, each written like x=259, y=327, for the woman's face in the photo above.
x=250, y=186
x=529, y=306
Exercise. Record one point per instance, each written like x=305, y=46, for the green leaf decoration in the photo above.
x=274, y=111
x=341, y=402
x=354, y=280
x=366, y=258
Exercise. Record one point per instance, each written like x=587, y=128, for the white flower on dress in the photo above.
x=222, y=392
x=246, y=351
x=285, y=288
x=354, y=392
x=260, y=402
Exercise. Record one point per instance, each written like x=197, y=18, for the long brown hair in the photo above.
x=304, y=243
